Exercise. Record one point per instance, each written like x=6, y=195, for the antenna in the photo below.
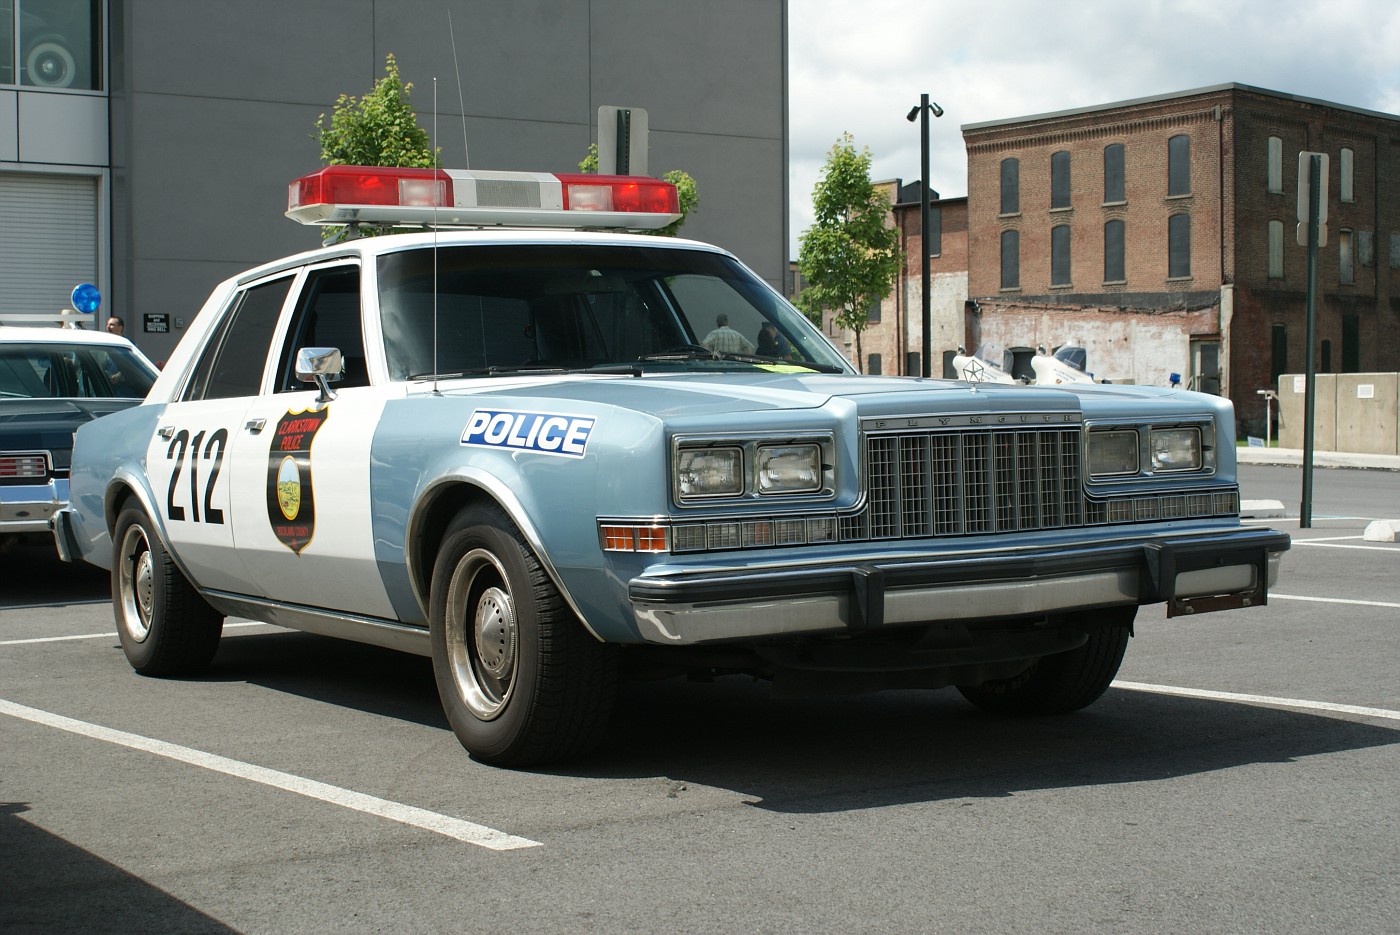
x=436, y=392
x=466, y=162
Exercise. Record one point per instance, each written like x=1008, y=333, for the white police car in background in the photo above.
x=510, y=450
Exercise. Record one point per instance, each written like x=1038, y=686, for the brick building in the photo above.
x=1160, y=234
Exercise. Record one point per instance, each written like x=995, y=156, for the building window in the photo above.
x=1278, y=365
x=1275, y=249
x=1010, y=259
x=872, y=314
x=1351, y=344
x=913, y=364
x=1346, y=271
x=1275, y=164
x=1059, y=255
x=58, y=47
x=1325, y=358
x=1113, y=175
x=1179, y=165
x=1011, y=186
x=1113, y=252
x=872, y=366
x=1179, y=246
x=1059, y=180
x=1346, y=172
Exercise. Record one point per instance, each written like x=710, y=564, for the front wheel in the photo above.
x=1063, y=682
x=165, y=627
x=520, y=679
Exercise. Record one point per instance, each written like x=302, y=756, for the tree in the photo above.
x=687, y=189
x=849, y=256
x=379, y=129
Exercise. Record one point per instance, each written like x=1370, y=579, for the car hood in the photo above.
x=691, y=394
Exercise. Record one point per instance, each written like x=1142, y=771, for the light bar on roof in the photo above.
x=468, y=198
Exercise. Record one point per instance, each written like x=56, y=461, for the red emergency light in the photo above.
x=471, y=198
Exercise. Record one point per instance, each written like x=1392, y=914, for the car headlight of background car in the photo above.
x=705, y=469
x=1117, y=452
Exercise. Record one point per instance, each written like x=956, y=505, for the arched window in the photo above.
x=1059, y=180
x=1011, y=186
x=1010, y=259
x=1179, y=165
x=1113, y=252
x=1179, y=246
x=1113, y=174
x=1275, y=170
x=1059, y=255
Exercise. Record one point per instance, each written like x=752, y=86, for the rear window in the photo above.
x=72, y=371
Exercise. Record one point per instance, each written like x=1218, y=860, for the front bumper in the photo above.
x=30, y=507
x=1193, y=573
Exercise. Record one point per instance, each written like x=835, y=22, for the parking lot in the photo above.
x=1241, y=776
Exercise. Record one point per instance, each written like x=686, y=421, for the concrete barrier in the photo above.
x=1355, y=412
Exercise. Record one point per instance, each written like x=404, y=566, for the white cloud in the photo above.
x=860, y=67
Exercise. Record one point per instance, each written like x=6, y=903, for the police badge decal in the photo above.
x=291, y=501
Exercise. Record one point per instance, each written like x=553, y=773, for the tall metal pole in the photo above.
x=1310, y=389
x=926, y=306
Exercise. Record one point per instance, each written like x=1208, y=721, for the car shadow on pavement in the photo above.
x=816, y=755
x=56, y=886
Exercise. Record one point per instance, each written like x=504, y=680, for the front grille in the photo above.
x=970, y=482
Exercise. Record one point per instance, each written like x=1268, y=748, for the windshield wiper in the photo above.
x=699, y=352
x=491, y=371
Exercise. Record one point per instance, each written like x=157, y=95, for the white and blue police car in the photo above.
x=513, y=444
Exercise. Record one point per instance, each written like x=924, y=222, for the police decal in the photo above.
x=546, y=433
x=291, y=501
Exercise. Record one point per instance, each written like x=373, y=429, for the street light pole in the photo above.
x=925, y=106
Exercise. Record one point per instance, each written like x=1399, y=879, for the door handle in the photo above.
x=255, y=425
x=166, y=431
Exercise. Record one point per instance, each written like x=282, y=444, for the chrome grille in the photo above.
x=969, y=482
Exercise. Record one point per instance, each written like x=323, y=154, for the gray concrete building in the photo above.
x=146, y=145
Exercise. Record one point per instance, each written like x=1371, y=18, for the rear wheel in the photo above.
x=1062, y=682
x=165, y=627
x=520, y=679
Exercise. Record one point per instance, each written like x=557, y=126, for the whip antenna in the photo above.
x=466, y=162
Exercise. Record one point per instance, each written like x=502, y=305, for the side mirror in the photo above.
x=322, y=366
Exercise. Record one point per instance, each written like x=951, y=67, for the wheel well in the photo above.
x=115, y=502
x=446, y=503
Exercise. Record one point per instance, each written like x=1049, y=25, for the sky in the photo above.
x=860, y=67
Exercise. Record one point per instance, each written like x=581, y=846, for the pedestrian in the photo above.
x=725, y=340
x=115, y=325
x=771, y=343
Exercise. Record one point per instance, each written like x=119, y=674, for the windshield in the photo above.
x=577, y=307
x=74, y=371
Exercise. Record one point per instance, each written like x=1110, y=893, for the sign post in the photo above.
x=1312, y=233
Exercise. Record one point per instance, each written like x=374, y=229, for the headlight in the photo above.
x=789, y=469
x=1176, y=449
x=1113, y=453
x=710, y=472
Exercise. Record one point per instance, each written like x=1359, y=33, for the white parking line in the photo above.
x=104, y=636
x=466, y=831
x=1338, y=545
x=1330, y=600
x=1208, y=695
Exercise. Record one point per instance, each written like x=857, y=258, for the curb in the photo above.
x=1261, y=509
x=1382, y=530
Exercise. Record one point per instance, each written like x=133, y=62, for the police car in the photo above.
x=525, y=453
x=53, y=380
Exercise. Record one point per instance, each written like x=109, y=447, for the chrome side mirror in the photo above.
x=322, y=366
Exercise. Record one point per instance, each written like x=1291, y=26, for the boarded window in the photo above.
x=873, y=367
x=1059, y=255
x=1113, y=174
x=1010, y=259
x=1346, y=174
x=1275, y=249
x=1179, y=246
x=1059, y=180
x=1275, y=170
x=1365, y=248
x=1010, y=186
x=1179, y=165
x=1346, y=270
x=1113, y=252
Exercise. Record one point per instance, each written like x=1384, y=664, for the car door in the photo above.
x=301, y=464
x=187, y=458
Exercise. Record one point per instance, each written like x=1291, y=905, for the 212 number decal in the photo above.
x=213, y=449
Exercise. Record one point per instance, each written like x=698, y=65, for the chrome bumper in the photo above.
x=30, y=507
x=1192, y=574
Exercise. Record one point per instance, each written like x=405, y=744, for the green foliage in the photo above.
x=379, y=129
x=687, y=189
x=849, y=257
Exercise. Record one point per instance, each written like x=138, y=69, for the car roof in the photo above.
x=27, y=334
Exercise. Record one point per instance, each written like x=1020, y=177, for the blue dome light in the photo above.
x=86, y=298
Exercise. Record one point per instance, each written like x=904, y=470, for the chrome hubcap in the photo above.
x=136, y=584
x=482, y=634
